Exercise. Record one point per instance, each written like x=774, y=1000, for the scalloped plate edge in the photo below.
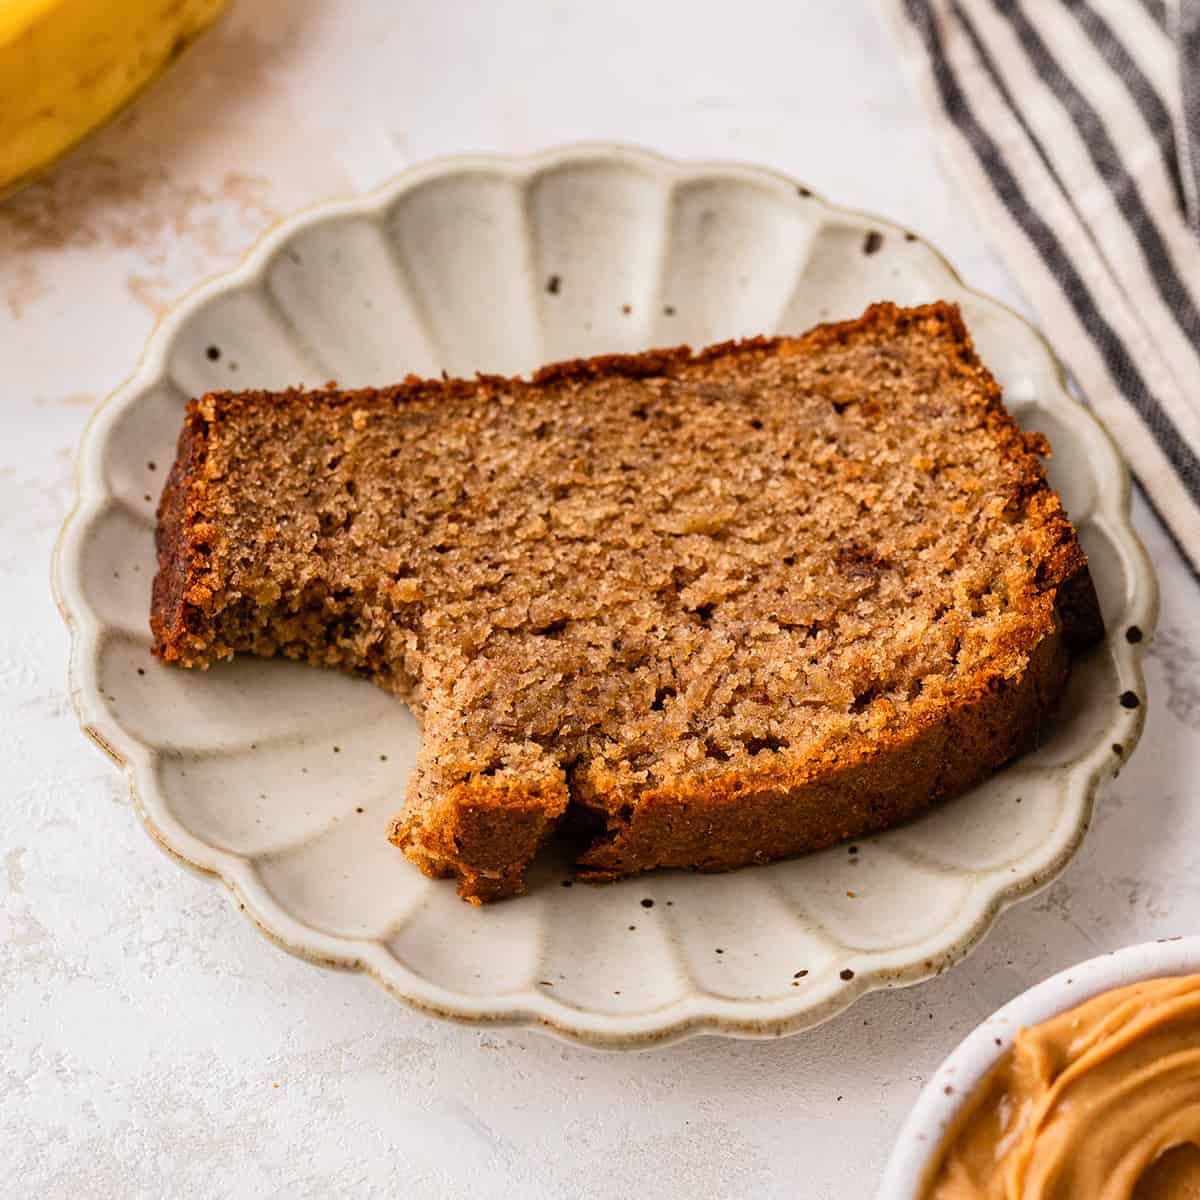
x=994, y=891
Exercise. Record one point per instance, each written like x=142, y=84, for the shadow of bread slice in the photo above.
x=714, y=608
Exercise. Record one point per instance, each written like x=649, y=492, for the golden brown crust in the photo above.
x=484, y=834
x=484, y=828
x=666, y=362
x=735, y=821
x=180, y=560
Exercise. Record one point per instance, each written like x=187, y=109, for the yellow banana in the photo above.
x=67, y=65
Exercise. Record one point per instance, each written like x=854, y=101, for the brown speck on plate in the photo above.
x=213, y=353
x=872, y=242
x=846, y=974
x=152, y=465
x=800, y=974
x=647, y=903
x=803, y=191
x=553, y=284
x=1133, y=635
x=668, y=310
x=360, y=809
x=1118, y=748
x=1129, y=700
x=568, y=883
x=910, y=237
x=626, y=309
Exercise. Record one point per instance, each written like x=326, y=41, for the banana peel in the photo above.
x=66, y=66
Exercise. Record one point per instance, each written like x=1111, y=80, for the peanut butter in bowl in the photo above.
x=1101, y=1102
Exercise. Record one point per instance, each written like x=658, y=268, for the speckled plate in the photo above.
x=280, y=779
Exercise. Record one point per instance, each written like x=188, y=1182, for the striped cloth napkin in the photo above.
x=1075, y=127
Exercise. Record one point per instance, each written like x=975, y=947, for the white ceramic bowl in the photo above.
x=952, y=1083
x=280, y=779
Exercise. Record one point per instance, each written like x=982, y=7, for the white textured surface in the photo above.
x=145, y=1023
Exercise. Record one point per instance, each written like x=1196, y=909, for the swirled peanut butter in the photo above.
x=1100, y=1103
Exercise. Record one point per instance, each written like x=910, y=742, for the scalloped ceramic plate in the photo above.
x=280, y=779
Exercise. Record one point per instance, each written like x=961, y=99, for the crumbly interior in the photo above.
x=619, y=581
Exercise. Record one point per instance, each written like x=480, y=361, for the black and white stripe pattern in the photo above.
x=1183, y=25
x=1076, y=126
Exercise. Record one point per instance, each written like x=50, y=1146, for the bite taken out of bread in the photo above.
x=692, y=609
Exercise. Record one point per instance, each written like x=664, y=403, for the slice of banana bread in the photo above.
x=726, y=606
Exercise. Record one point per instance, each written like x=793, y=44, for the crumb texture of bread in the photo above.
x=699, y=610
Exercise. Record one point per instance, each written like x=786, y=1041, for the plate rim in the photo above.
x=693, y=1014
